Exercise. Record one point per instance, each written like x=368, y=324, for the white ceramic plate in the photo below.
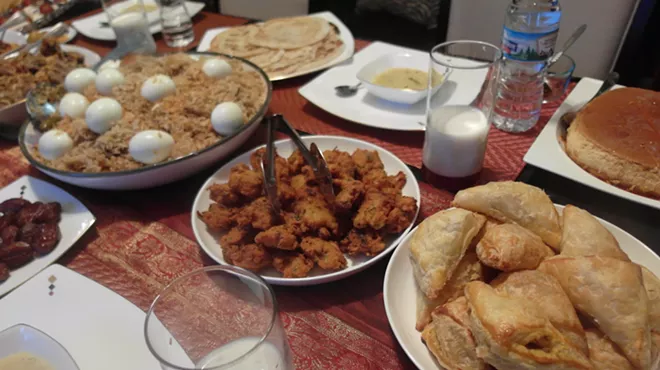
x=100, y=329
x=91, y=58
x=400, y=293
x=209, y=240
x=91, y=26
x=344, y=34
x=70, y=32
x=547, y=153
x=24, y=338
x=369, y=110
x=76, y=220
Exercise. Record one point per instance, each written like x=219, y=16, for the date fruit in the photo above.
x=16, y=255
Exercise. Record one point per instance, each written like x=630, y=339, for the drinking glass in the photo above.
x=218, y=317
x=176, y=22
x=455, y=138
x=128, y=19
x=557, y=77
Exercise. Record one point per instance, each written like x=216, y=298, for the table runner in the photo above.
x=143, y=239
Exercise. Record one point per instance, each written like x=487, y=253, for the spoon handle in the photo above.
x=571, y=40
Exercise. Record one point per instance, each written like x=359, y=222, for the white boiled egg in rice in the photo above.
x=107, y=79
x=150, y=146
x=227, y=118
x=54, y=144
x=216, y=68
x=78, y=79
x=102, y=114
x=157, y=87
x=74, y=105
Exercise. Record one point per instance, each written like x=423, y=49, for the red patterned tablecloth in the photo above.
x=143, y=239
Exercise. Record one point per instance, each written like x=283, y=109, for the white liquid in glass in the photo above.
x=455, y=141
x=265, y=357
x=132, y=31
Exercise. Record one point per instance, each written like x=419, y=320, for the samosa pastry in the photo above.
x=604, y=354
x=514, y=202
x=449, y=338
x=469, y=269
x=439, y=244
x=509, y=247
x=583, y=235
x=511, y=333
x=611, y=292
x=544, y=292
x=652, y=286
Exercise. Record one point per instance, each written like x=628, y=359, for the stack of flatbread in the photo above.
x=505, y=282
x=282, y=46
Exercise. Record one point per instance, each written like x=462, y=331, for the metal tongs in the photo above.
x=57, y=31
x=312, y=156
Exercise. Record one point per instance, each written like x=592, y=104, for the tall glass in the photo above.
x=219, y=317
x=176, y=22
x=128, y=19
x=455, y=139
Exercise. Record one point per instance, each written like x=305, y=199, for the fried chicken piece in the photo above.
x=218, y=217
x=280, y=237
x=326, y=254
x=374, y=210
x=379, y=180
x=365, y=241
x=236, y=236
x=258, y=214
x=244, y=181
x=350, y=192
x=314, y=215
x=250, y=256
x=292, y=264
x=402, y=215
x=340, y=164
x=366, y=160
x=296, y=162
x=222, y=193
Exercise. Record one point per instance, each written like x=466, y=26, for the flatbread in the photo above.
x=290, y=33
x=268, y=58
x=234, y=41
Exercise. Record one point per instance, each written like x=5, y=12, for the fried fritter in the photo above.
x=218, y=217
x=292, y=264
x=258, y=214
x=236, y=236
x=222, y=193
x=374, y=210
x=366, y=160
x=402, y=215
x=314, y=215
x=282, y=170
x=303, y=189
x=280, y=237
x=379, y=180
x=244, y=181
x=365, y=241
x=340, y=164
x=296, y=162
x=249, y=256
x=350, y=191
x=326, y=254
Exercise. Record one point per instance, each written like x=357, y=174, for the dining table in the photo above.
x=143, y=239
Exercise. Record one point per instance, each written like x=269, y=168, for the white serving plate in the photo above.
x=209, y=240
x=91, y=26
x=364, y=108
x=100, y=329
x=400, y=293
x=547, y=153
x=24, y=338
x=76, y=220
x=344, y=34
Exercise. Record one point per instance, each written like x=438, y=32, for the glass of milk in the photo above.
x=458, y=121
x=218, y=317
x=129, y=21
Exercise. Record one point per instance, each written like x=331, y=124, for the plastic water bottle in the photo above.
x=528, y=40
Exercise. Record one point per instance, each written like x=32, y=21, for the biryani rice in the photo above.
x=185, y=115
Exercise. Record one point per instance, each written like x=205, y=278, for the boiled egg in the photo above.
x=110, y=64
x=216, y=68
x=150, y=146
x=73, y=104
x=102, y=114
x=107, y=79
x=157, y=87
x=54, y=143
x=78, y=79
x=227, y=118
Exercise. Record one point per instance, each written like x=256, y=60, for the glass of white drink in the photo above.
x=218, y=317
x=128, y=19
x=456, y=135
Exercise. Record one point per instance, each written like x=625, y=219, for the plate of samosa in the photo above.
x=508, y=280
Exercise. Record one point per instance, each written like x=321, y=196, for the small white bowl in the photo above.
x=396, y=60
x=24, y=338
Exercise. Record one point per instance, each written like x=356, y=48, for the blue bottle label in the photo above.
x=528, y=46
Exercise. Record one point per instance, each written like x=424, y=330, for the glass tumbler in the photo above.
x=176, y=22
x=128, y=19
x=218, y=317
x=455, y=138
x=557, y=77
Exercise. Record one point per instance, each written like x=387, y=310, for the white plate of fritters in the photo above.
x=387, y=203
x=402, y=295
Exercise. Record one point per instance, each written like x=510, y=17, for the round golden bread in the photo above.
x=616, y=137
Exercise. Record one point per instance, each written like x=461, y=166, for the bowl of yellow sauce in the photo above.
x=400, y=77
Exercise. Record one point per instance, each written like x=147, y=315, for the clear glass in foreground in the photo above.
x=557, y=78
x=128, y=20
x=176, y=22
x=219, y=317
x=455, y=139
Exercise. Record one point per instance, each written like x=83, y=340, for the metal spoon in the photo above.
x=346, y=91
x=567, y=118
x=571, y=40
x=38, y=112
